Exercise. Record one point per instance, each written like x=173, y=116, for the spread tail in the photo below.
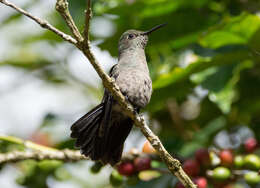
x=99, y=136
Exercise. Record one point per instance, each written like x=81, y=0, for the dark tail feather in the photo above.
x=115, y=143
x=85, y=129
x=81, y=124
x=100, y=137
x=103, y=133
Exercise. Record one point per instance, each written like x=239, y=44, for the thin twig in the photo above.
x=62, y=6
x=63, y=155
x=66, y=155
x=173, y=164
x=87, y=23
x=40, y=152
x=41, y=22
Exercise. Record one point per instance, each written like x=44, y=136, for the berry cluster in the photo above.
x=139, y=164
x=222, y=168
x=137, y=167
x=218, y=168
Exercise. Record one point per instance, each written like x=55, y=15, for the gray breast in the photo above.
x=136, y=86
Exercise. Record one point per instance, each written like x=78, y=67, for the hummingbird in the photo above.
x=100, y=134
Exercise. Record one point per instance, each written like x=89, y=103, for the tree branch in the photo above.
x=87, y=22
x=173, y=164
x=63, y=155
x=40, y=152
x=62, y=6
x=41, y=22
x=37, y=152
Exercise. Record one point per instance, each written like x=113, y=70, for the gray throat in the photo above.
x=133, y=58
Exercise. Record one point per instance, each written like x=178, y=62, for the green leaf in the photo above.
x=222, y=38
x=221, y=82
x=234, y=30
x=176, y=83
x=179, y=74
x=145, y=15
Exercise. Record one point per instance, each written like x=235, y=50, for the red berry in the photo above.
x=226, y=157
x=201, y=182
x=191, y=167
x=202, y=156
x=126, y=168
x=250, y=145
x=142, y=163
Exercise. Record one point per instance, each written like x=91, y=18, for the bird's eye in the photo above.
x=131, y=36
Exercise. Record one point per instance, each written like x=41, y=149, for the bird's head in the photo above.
x=134, y=39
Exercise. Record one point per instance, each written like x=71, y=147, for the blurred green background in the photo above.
x=204, y=66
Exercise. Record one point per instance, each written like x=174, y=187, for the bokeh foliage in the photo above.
x=208, y=45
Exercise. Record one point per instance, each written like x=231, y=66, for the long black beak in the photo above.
x=153, y=29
